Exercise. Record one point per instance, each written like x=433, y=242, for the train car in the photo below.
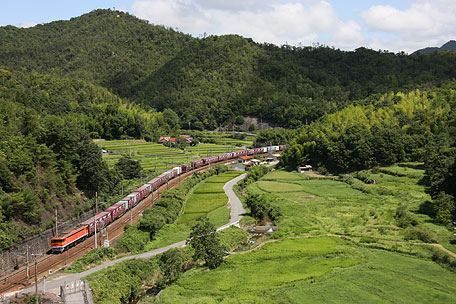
x=257, y=150
x=250, y=151
x=275, y=148
x=177, y=171
x=134, y=196
x=129, y=200
x=197, y=163
x=143, y=191
x=117, y=210
x=60, y=244
x=185, y=168
x=102, y=219
x=155, y=183
x=281, y=147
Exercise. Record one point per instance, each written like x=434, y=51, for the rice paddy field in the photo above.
x=337, y=242
x=160, y=158
x=207, y=198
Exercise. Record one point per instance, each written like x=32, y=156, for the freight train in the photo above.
x=61, y=243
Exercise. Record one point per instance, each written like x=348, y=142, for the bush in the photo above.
x=260, y=209
x=95, y=256
x=133, y=240
x=403, y=217
x=416, y=233
x=232, y=238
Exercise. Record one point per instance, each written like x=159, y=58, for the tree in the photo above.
x=206, y=244
x=129, y=167
x=171, y=265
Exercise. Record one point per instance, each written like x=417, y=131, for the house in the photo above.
x=163, y=139
x=306, y=168
x=244, y=159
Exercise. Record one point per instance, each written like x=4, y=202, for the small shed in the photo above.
x=306, y=168
x=263, y=229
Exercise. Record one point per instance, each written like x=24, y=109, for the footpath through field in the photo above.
x=236, y=213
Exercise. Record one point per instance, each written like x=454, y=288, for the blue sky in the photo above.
x=401, y=25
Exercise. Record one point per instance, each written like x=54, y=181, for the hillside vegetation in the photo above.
x=338, y=241
x=212, y=80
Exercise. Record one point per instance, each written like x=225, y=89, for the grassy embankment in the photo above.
x=322, y=268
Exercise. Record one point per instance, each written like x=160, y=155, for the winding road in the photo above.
x=236, y=214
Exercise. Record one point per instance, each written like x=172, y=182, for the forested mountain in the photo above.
x=108, y=74
x=449, y=46
x=47, y=158
x=212, y=80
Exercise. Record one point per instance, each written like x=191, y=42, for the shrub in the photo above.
x=133, y=240
x=94, y=256
x=232, y=238
x=417, y=233
x=403, y=217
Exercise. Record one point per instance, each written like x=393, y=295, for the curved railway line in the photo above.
x=49, y=263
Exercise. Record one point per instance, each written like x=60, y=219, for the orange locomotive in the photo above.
x=60, y=244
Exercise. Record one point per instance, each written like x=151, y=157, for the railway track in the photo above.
x=50, y=263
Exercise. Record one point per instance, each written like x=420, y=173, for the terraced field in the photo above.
x=328, y=247
x=160, y=158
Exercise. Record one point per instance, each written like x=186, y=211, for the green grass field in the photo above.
x=316, y=270
x=305, y=265
x=208, y=198
x=157, y=157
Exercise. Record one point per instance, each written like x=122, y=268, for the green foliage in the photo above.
x=254, y=174
x=260, y=209
x=206, y=244
x=95, y=256
x=132, y=240
x=403, y=217
x=216, y=79
x=389, y=128
x=419, y=233
x=444, y=208
x=128, y=167
x=232, y=238
x=171, y=265
x=122, y=282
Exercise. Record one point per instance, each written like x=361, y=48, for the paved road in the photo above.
x=237, y=212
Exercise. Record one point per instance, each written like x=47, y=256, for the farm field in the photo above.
x=316, y=270
x=328, y=247
x=157, y=157
x=209, y=198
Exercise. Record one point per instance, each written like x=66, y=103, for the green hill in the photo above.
x=210, y=81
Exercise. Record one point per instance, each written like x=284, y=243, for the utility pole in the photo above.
x=95, y=218
x=35, y=255
x=56, y=224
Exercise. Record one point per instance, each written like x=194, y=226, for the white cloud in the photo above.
x=424, y=23
x=28, y=23
x=273, y=21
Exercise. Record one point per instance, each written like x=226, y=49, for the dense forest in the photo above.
x=210, y=81
x=47, y=158
x=107, y=74
x=419, y=126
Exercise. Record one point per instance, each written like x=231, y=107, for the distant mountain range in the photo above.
x=449, y=46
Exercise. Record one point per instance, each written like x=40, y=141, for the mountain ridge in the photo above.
x=448, y=46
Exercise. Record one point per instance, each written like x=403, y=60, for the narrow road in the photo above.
x=237, y=212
